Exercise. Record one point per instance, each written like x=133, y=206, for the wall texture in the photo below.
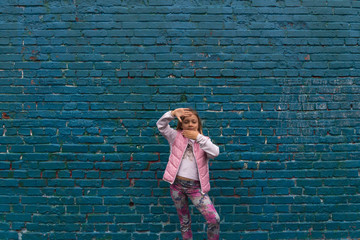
x=83, y=82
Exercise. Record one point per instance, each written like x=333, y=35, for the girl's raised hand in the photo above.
x=181, y=112
x=190, y=134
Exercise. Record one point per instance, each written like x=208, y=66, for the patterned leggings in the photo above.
x=180, y=191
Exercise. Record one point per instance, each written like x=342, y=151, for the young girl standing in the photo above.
x=188, y=170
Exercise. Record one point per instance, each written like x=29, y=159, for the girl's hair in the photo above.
x=179, y=125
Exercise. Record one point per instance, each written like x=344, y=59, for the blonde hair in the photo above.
x=200, y=129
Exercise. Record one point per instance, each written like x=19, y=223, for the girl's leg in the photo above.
x=206, y=207
x=182, y=208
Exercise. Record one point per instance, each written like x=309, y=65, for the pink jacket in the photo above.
x=204, y=150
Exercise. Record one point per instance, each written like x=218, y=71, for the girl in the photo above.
x=188, y=170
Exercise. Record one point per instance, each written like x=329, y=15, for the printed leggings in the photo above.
x=180, y=191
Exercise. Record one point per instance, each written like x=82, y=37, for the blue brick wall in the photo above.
x=82, y=84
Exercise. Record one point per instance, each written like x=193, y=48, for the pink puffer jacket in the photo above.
x=177, y=151
x=203, y=148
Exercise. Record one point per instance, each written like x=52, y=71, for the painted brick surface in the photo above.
x=82, y=84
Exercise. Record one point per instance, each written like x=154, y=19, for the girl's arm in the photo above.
x=163, y=123
x=164, y=127
x=207, y=146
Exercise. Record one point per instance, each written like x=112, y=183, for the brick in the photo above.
x=127, y=219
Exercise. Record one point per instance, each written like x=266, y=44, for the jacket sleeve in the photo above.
x=165, y=129
x=207, y=146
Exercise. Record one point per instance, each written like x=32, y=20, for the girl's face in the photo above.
x=190, y=123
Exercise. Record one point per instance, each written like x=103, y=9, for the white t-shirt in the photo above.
x=188, y=167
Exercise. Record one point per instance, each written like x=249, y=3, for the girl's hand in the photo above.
x=190, y=134
x=181, y=112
